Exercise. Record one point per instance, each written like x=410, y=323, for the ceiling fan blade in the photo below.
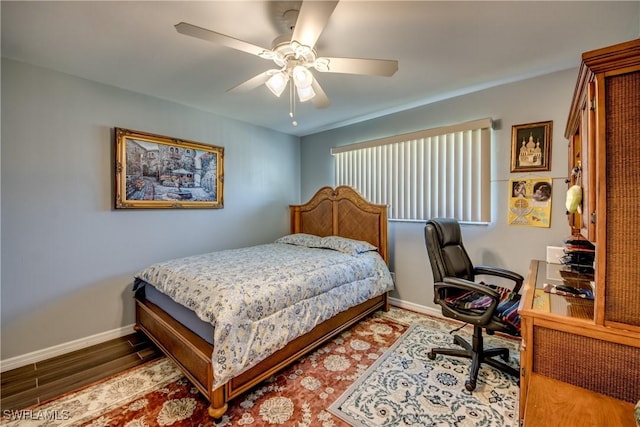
x=212, y=36
x=253, y=82
x=312, y=19
x=320, y=100
x=372, y=67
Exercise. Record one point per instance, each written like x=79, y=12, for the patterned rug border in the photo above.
x=408, y=317
x=86, y=388
x=353, y=389
x=63, y=410
x=334, y=408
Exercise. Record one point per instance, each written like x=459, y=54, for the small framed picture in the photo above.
x=530, y=202
x=531, y=147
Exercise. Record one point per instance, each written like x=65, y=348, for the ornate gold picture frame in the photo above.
x=158, y=172
x=531, y=147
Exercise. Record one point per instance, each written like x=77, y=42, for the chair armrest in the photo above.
x=467, y=285
x=500, y=272
x=479, y=316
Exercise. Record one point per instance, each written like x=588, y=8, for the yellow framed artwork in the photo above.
x=530, y=202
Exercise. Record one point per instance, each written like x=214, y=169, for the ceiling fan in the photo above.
x=294, y=55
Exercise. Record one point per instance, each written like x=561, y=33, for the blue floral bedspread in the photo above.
x=262, y=297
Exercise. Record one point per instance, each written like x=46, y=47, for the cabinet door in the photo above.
x=589, y=126
x=618, y=259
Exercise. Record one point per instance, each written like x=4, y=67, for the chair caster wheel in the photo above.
x=431, y=355
x=470, y=386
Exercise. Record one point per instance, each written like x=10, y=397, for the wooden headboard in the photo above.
x=342, y=212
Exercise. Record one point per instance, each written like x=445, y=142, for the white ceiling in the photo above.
x=443, y=49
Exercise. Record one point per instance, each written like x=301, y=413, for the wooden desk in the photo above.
x=562, y=341
x=555, y=403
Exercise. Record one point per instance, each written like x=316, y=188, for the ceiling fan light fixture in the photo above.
x=294, y=54
x=279, y=59
x=300, y=50
x=277, y=83
x=321, y=64
x=305, y=93
x=302, y=77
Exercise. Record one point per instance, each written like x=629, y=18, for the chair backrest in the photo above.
x=447, y=254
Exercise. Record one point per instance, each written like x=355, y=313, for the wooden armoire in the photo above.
x=604, y=144
x=593, y=347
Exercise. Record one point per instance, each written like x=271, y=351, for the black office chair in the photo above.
x=484, y=306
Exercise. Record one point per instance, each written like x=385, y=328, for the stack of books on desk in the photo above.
x=579, y=254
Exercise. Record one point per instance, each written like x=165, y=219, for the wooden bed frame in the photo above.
x=341, y=212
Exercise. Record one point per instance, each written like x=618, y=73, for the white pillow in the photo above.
x=301, y=239
x=347, y=246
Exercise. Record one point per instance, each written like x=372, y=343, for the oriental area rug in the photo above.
x=374, y=374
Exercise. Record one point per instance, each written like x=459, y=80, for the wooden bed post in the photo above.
x=218, y=405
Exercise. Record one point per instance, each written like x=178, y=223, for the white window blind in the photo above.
x=442, y=172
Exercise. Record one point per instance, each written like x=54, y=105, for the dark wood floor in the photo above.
x=38, y=382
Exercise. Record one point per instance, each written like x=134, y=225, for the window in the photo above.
x=442, y=172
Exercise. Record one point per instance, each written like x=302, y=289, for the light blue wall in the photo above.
x=535, y=100
x=67, y=258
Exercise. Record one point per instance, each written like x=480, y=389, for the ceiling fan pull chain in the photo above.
x=292, y=105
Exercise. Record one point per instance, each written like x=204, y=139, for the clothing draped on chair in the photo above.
x=507, y=309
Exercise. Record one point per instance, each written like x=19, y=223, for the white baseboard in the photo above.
x=423, y=309
x=57, y=350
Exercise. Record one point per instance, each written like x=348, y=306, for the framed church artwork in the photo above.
x=531, y=147
x=158, y=172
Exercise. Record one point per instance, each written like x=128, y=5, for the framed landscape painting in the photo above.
x=531, y=147
x=158, y=172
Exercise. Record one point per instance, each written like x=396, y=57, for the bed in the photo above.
x=187, y=338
